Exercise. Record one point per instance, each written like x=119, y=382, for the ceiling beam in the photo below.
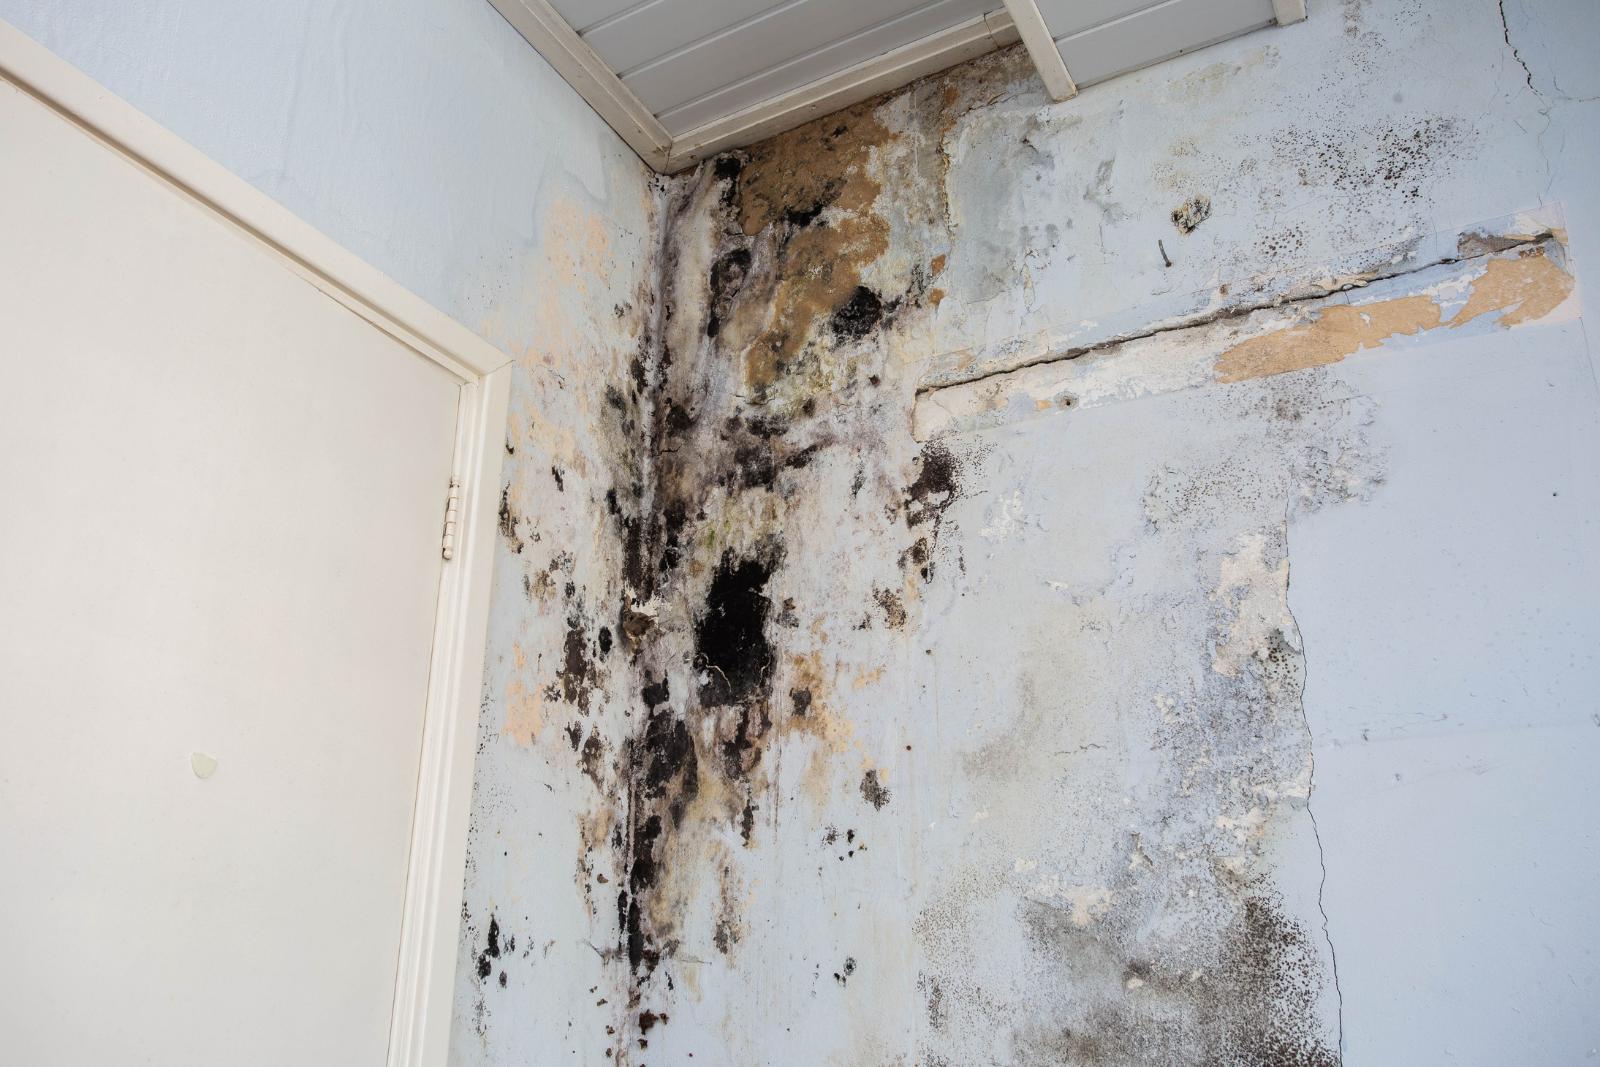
x=1042, y=49
x=544, y=28
x=1287, y=11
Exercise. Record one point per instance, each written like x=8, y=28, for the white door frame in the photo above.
x=419, y=1031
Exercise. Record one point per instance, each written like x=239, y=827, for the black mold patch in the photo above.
x=731, y=646
x=654, y=694
x=894, y=610
x=875, y=792
x=936, y=487
x=491, y=950
x=592, y=760
x=666, y=756
x=727, y=276
x=859, y=316
x=578, y=676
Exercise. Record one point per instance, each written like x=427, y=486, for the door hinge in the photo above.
x=452, y=505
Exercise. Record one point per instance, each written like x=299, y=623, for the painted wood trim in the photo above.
x=360, y=287
x=1287, y=11
x=542, y=26
x=927, y=55
x=1042, y=48
x=419, y=1034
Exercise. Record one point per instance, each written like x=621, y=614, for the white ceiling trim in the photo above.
x=577, y=62
x=903, y=65
x=1136, y=34
x=1042, y=49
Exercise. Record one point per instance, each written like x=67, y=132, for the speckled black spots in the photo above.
x=918, y=557
x=859, y=316
x=800, y=701
x=561, y=483
x=731, y=648
x=936, y=486
x=893, y=608
x=575, y=734
x=727, y=275
x=1191, y=213
x=873, y=790
x=1253, y=1002
x=602, y=640
x=648, y=1019
x=848, y=968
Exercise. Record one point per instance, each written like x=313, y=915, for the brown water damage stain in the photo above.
x=768, y=366
x=816, y=187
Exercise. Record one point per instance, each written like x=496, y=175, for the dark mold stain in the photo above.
x=579, y=677
x=508, y=522
x=859, y=316
x=731, y=646
x=491, y=950
x=894, y=610
x=875, y=792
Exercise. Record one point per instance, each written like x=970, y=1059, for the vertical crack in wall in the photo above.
x=1311, y=787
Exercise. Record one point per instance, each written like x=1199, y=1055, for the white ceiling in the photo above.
x=683, y=79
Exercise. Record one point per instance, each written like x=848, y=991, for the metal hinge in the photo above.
x=452, y=504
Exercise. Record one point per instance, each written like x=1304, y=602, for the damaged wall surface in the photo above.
x=985, y=581
x=1098, y=583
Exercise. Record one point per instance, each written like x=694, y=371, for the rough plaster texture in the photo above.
x=986, y=581
x=1095, y=592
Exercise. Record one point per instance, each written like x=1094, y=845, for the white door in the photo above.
x=220, y=505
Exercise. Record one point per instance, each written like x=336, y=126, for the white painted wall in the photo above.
x=423, y=135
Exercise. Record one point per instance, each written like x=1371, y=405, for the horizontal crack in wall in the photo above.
x=1518, y=277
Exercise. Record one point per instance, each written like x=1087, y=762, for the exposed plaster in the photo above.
x=951, y=708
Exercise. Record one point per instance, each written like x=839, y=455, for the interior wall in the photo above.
x=1114, y=580
x=976, y=584
x=427, y=137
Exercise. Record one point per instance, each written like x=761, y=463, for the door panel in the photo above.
x=222, y=500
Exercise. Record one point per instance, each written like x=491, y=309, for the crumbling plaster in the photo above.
x=992, y=581
x=991, y=691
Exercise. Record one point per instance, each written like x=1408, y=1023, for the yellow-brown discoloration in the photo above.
x=525, y=712
x=1334, y=333
x=821, y=167
x=1521, y=288
x=1525, y=288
